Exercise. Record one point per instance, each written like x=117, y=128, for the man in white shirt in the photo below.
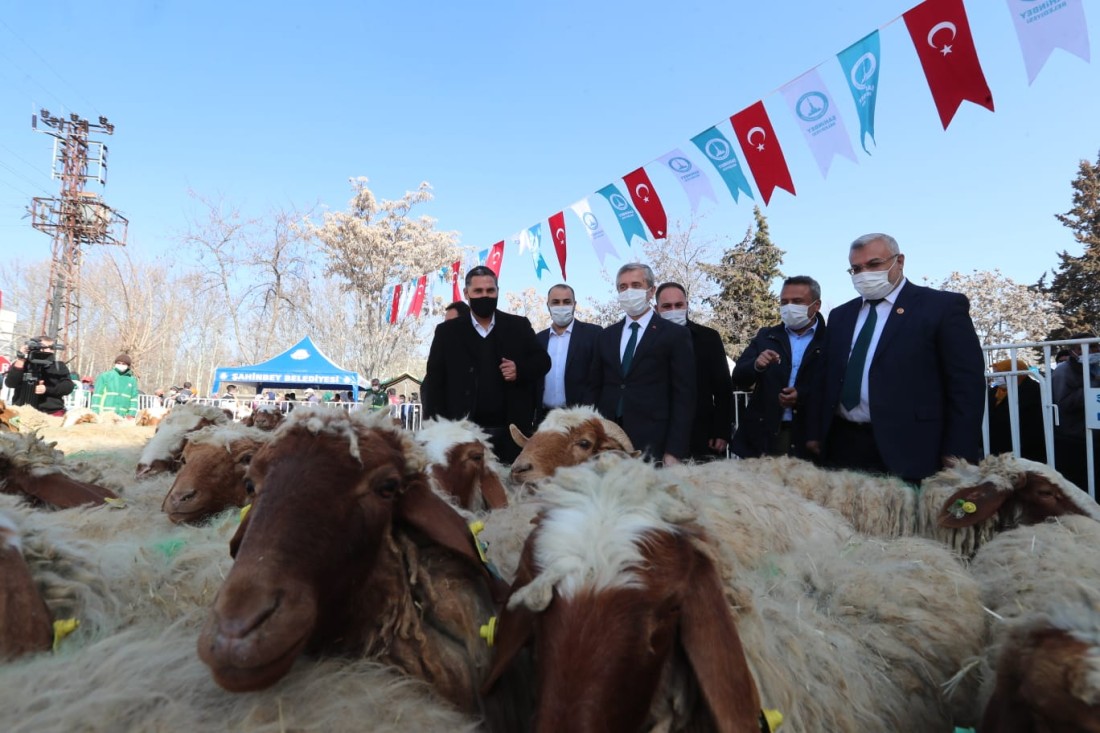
x=571, y=345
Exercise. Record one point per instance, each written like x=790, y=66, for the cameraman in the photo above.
x=38, y=379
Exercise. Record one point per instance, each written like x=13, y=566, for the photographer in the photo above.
x=38, y=379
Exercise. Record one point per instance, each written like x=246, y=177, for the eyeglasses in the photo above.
x=871, y=266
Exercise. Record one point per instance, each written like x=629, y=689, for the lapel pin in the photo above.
x=899, y=311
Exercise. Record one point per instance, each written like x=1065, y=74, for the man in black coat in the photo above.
x=38, y=379
x=571, y=345
x=486, y=367
x=710, y=431
x=644, y=374
x=779, y=366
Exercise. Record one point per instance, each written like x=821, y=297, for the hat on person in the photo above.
x=309, y=391
x=123, y=359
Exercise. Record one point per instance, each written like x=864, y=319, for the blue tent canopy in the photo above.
x=302, y=365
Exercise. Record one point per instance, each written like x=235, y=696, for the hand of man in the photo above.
x=766, y=358
x=788, y=397
x=40, y=388
x=814, y=446
x=718, y=445
x=508, y=369
x=670, y=460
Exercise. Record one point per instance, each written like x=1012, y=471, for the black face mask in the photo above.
x=483, y=307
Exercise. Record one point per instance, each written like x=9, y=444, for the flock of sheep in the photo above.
x=334, y=573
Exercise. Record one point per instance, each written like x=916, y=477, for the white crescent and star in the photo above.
x=763, y=136
x=944, y=26
x=643, y=196
x=560, y=231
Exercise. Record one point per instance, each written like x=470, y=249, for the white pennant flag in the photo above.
x=601, y=243
x=819, y=118
x=407, y=291
x=691, y=177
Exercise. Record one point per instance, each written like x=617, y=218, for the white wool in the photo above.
x=173, y=430
x=591, y=537
x=9, y=534
x=438, y=436
x=346, y=426
x=225, y=435
x=566, y=419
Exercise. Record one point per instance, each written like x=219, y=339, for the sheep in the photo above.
x=163, y=450
x=212, y=477
x=151, y=416
x=626, y=564
x=8, y=418
x=567, y=437
x=369, y=561
x=24, y=619
x=32, y=468
x=82, y=415
x=1041, y=584
x=462, y=464
x=264, y=417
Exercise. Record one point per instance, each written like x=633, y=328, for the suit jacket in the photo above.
x=713, y=390
x=658, y=392
x=451, y=385
x=761, y=420
x=926, y=381
x=578, y=363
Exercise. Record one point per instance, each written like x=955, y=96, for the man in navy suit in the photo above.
x=644, y=371
x=903, y=386
x=571, y=345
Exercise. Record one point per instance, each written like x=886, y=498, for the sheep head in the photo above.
x=264, y=418
x=462, y=463
x=7, y=418
x=162, y=452
x=213, y=476
x=32, y=468
x=567, y=437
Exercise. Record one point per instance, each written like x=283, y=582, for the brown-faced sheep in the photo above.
x=164, y=449
x=8, y=419
x=567, y=437
x=462, y=464
x=151, y=416
x=368, y=561
x=213, y=474
x=625, y=586
x=34, y=469
x=264, y=417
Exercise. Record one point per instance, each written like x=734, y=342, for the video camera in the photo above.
x=37, y=356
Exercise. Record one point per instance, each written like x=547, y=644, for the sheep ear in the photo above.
x=238, y=536
x=518, y=436
x=492, y=490
x=986, y=498
x=708, y=635
x=999, y=716
x=515, y=626
x=24, y=619
x=60, y=491
x=420, y=508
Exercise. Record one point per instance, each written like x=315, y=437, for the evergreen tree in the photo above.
x=1076, y=282
x=744, y=302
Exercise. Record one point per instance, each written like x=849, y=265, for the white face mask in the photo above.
x=561, y=315
x=795, y=317
x=679, y=316
x=873, y=285
x=634, y=302
x=998, y=382
x=122, y=367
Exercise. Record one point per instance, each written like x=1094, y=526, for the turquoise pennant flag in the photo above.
x=861, y=63
x=628, y=217
x=721, y=155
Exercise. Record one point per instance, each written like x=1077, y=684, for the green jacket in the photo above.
x=116, y=392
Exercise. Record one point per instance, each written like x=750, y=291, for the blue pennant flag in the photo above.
x=861, y=62
x=624, y=211
x=721, y=155
x=540, y=266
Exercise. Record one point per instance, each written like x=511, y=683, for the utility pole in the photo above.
x=75, y=219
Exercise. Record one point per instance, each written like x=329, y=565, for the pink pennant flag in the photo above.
x=395, y=305
x=1043, y=27
x=417, y=303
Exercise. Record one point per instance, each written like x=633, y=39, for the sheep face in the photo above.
x=25, y=625
x=7, y=418
x=548, y=450
x=468, y=475
x=266, y=420
x=213, y=478
x=1047, y=682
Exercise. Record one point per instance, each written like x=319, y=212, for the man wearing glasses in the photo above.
x=903, y=384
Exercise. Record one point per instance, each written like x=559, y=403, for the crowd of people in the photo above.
x=894, y=382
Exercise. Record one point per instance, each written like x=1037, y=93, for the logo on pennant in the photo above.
x=1044, y=26
x=812, y=106
x=820, y=120
x=692, y=179
x=601, y=243
x=860, y=63
x=628, y=218
x=719, y=152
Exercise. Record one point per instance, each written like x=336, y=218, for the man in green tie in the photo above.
x=643, y=375
x=903, y=385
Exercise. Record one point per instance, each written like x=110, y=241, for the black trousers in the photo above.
x=851, y=445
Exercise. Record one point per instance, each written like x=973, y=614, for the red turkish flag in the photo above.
x=941, y=35
x=557, y=230
x=395, y=306
x=456, y=294
x=496, y=255
x=646, y=200
x=418, y=297
x=754, y=130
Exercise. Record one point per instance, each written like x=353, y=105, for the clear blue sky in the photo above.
x=513, y=111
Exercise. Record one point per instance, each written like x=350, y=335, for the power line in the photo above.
x=37, y=169
x=20, y=175
x=27, y=75
x=48, y=66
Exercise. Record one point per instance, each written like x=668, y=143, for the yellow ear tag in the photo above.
x=488, y=631
x=119, y=503
x=969, y=507
x=774, y=719
x=475, y=530
x=244, y=512
x=62, y=628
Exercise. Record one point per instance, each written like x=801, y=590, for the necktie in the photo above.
x=628, y=355
x=853, y=375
